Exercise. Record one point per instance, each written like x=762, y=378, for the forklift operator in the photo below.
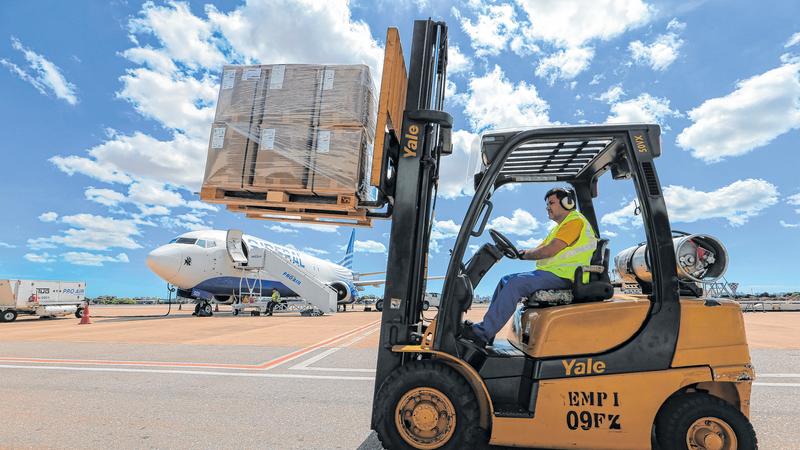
x=571, y=243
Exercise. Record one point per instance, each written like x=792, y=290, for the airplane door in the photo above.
x=233, y=242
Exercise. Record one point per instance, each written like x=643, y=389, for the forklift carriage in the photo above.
x=580, y=369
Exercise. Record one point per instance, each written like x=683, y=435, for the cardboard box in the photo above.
x=241, y=87
x=228, y=149
x=347, y=96
x=290, y=94
x=339, y=160
x=283, y=159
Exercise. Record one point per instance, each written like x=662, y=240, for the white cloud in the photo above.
x=663, y=51
x=761, y=108
x=282, y=229
x=91, y=232
x=612, y=94
x=596, y=79
x=191, y=222
x=91, y=168
x=158, y=60
x=457, y=62
x=736, y=203
x=154, y=193
x=495, y=27
x=785, y=224
x=7, y=245
x=45, y=75
x=521, y=223
x=644, y=108
x=49, y=216
x=794, y=40
x=107, y=197
x=456, y=173
x=444, y=229
x=610, y=234
x=369, y=247
x=495, y=102
x=570, y=27
x=529, y=243
x=92, y=259
x=565, y=64
x=793, y=199
x=184, y=36
x=41, y=258
x=257, y=33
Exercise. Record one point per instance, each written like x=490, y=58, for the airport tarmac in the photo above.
x=279, y=382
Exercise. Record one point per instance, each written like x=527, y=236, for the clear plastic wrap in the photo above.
x=294, y=128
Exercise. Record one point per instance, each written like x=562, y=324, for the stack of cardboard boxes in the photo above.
x=293, y=128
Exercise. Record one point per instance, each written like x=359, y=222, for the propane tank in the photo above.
x=700, y=258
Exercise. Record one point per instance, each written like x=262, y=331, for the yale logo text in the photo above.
x=584, y=367
x=410, y=150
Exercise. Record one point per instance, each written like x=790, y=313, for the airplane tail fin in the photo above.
x=347, y=261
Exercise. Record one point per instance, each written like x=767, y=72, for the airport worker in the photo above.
x=571, y=243
x=274, y=301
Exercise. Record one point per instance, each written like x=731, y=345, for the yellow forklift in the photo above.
x=582, y=368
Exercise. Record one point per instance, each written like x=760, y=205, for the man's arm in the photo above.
x=544, y=251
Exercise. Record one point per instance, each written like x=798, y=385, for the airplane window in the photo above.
x=201, y=243
x=186, y=241
x=173, y=241
x=210, y=244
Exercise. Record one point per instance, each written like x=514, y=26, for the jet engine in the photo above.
x=342, y=292
x=700, y=258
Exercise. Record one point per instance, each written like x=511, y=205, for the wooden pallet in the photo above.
x=352, y=218
x=305, y=200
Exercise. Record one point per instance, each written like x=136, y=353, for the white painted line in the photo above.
x=305, y=364
x=192, y=372
x=777, y=384
x=777, y=375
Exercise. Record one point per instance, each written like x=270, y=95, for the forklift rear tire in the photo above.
x=379, y=305
x=427, y=405
x=699, y=420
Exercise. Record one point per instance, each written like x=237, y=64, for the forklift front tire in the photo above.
x=700, y=420
x=427, y=405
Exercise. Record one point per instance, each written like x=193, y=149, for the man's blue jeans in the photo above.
x=509, y=290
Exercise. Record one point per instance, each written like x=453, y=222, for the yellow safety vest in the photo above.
x=276, y=297
x=564, y=263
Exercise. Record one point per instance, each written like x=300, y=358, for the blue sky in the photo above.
x=106, y=110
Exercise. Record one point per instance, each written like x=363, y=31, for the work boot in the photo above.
x=468, y=333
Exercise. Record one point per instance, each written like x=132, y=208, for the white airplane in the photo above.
x=201, y=266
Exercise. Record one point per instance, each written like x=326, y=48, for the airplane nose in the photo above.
x=163, y=263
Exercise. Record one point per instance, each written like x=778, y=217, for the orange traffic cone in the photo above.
x=85, y=320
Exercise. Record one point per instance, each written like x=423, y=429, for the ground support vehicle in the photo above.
x=590, y=370
x=41, y=298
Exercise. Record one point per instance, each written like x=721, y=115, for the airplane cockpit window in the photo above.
x=201, y=243
x=172, y=241
x=210, y=244
x=189, y=241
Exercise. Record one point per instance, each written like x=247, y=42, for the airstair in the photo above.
x=259, y=263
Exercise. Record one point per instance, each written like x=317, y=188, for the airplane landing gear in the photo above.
x=203, y=309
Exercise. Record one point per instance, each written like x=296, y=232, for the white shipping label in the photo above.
x=251, y=74
x=327, y=79
x=268, y=139
x=217, y=137
x=228, y=79
x=276, y=79
x=323, y=142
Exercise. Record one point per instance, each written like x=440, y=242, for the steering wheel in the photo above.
x=504, y=244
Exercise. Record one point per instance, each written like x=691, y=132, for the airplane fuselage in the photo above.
x=198, y=262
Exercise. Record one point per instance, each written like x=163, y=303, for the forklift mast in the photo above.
x=424, y=137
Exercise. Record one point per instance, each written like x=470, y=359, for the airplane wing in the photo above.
x=362, y=283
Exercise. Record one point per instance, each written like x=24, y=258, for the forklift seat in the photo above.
x=598, y=288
